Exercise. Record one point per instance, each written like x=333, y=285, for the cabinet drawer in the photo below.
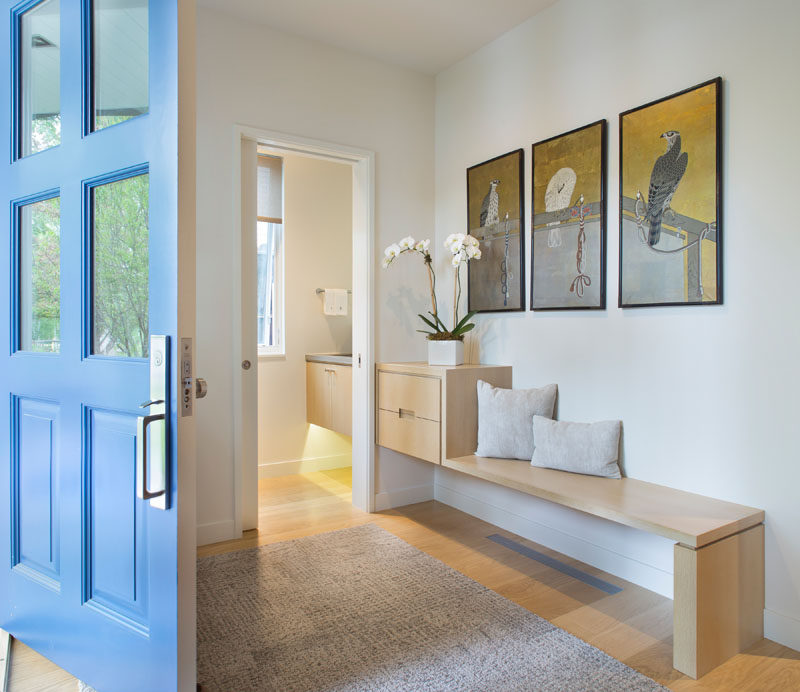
x=420, y=396
x=414, y=436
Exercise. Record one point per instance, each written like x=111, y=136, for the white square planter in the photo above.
x=446, y=352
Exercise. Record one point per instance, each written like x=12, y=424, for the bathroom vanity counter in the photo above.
x=330, y=358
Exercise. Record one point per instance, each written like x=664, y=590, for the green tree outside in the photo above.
x=45, y=133
x=120, y=270
x=121, y=267
x=45, y=275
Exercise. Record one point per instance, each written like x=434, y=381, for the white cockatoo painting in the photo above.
x=558, y=196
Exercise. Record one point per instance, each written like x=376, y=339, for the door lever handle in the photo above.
x=142, y=486
x=152, y=402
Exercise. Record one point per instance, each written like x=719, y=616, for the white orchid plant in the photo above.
x=463, y=249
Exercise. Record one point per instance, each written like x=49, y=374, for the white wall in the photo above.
x=252, y=75
x=318, y=252
x=708, y=395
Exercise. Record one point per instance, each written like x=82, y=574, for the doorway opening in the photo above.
x=303, y=380
x=304, y=239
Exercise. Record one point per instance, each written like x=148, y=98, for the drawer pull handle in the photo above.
x=405, y=413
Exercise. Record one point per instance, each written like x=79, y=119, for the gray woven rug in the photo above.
x=360, y=609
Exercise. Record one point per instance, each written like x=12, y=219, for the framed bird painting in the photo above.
x=495, y=217
x=670, y=201
x=569, y=221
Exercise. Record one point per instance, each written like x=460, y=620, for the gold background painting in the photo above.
x=580, y=151
x=504, y=169
x=692, y=114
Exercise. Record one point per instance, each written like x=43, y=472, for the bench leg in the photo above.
x=719, y=601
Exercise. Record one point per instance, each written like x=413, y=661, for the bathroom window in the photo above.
x=269, y=240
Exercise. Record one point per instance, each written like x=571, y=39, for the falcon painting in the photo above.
x=490, y=207
x=667, y=173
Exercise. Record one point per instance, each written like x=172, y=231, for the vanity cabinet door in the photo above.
x=329, y=396
x=318, y=394
x=341, y=379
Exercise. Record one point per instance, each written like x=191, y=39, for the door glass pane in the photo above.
x=119, y=60
x=121, y=268
x=40, y=87
x=40, y=276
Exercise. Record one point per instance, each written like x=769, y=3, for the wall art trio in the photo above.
x=669, y=212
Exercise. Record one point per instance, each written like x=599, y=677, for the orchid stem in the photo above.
x=432, y=283
x=458, y=300
x=455, y=298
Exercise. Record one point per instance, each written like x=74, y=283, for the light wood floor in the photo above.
x=634, y=626
x=31, y=672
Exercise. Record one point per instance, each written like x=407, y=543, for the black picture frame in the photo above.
x=633, y=208
x=597, y=209
x=480, y=276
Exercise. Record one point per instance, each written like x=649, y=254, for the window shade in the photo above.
x=270, y=189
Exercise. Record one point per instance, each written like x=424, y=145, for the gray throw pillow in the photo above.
x=505, y=419
x=589, y=448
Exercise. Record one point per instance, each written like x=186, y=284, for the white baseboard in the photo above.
x=782, y=629
x=288, y=468
x=403, y=496
x=215, y=532
x=652, y=577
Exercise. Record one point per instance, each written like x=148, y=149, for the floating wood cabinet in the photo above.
x=329, y=396
x=430, y=411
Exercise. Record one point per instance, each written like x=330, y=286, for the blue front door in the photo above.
x=89, y=179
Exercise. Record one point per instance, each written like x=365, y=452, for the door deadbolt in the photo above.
x=200, y=388
x=246, y=365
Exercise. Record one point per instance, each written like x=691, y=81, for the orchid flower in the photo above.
x=463, y=248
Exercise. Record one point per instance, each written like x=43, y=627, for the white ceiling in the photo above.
x=423, y=35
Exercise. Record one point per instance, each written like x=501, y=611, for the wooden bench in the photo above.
x=431, y=412
x=718, y=556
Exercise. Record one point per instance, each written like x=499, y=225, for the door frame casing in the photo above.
x=245, y=465
x=186, y=447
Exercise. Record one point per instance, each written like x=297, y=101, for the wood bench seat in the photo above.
x=690, y=519
x=431, y=412
x=718, y=606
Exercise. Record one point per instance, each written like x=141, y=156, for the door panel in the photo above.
x=35, y=519
x=116, y=550
x=92, y=216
